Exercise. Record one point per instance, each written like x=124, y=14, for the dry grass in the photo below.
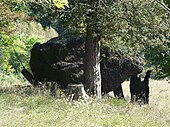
x=159, y=106
x=23, y=107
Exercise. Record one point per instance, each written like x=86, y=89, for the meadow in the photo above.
x=29, y=107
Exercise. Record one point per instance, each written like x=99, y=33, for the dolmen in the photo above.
x=61, y=60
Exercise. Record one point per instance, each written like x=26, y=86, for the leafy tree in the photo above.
x=127, y=25
x=11, y=47
x=9, y=18
x=159, y=57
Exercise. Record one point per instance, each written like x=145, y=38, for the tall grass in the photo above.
x=25, y=107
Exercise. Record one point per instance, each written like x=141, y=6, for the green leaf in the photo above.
x=60, y=3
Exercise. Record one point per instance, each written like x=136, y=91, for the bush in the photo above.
x=13, y=49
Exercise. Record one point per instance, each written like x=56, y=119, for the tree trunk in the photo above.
x=92, y=50
x=92, y=64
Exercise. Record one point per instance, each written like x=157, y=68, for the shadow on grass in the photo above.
x=18, y=90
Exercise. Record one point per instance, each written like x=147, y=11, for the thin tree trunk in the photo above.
x=92, y=51
x=92, y=64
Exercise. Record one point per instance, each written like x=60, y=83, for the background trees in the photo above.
x=15, y=25
x=7, y=20
x=159, y=58
x=135, y=27
x=127, y=25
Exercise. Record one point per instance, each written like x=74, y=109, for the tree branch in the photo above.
x=163, y=5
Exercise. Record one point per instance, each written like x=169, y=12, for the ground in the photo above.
x=28, y=107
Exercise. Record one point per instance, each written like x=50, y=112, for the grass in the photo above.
x=26, y=107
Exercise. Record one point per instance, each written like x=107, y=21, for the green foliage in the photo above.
x=126, y=25
x=134, y=24
x=60, y=3
x=8, y=17
x=159, y=57
x=60, y=19
x=11, y=43
x=12, y=38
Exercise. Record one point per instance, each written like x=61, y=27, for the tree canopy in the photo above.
x=121, y=24
x=127, y=25
x=10, y=16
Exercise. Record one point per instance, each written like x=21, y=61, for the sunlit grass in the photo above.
x=27, y=107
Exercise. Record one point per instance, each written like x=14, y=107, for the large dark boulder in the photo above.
x=61, y=60
x=117, y=69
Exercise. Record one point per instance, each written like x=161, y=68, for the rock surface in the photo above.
x=61, y=60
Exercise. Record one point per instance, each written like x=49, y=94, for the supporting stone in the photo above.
x=140, y=89
x=118, y=93
x=28, y=75
x=146, y=83
x=54, y=89
x=75, y=91
x=30, y=78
